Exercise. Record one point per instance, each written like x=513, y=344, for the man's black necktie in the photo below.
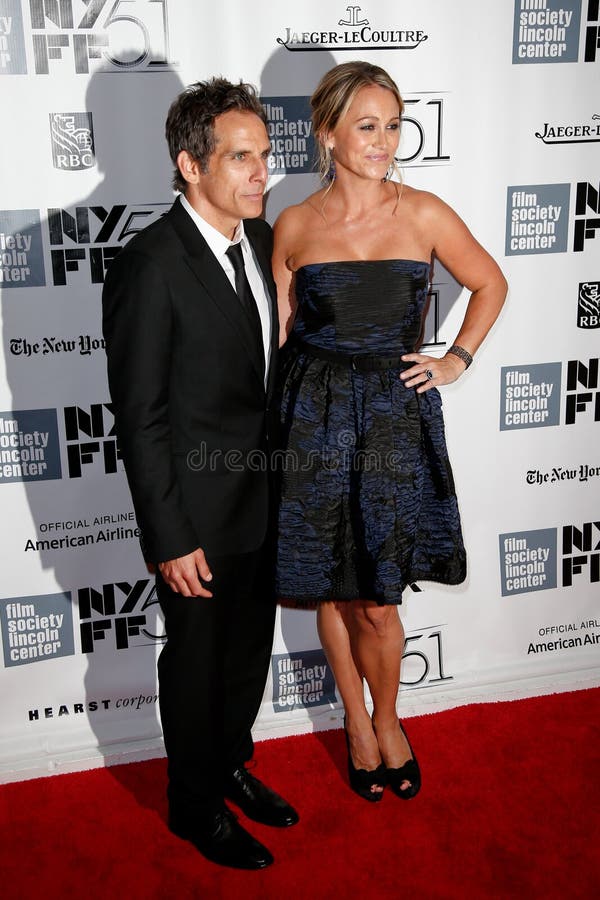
x=244, y=291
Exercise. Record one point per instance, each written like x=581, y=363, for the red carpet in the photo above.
x=509, y=809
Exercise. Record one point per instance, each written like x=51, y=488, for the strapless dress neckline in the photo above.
x=349, y=262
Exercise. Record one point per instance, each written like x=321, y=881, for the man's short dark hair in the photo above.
x=191, y=119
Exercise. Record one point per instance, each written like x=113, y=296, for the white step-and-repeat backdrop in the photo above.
x=503, y=121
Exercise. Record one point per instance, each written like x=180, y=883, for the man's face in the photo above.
x=233, y=187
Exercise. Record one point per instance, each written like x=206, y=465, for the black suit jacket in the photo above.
x=186, y=380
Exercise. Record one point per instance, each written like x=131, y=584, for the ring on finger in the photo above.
x=429, y=374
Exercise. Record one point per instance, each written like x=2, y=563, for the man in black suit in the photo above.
x=190, y=322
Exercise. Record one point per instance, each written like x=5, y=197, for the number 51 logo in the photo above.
x=423, y=660
x=103, y=35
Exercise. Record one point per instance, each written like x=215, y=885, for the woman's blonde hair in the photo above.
x=334, y=94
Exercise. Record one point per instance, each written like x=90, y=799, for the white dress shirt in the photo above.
x=219, y=245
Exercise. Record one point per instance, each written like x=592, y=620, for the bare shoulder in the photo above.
x=295, y=225
x=288, y=219
x=424, y=203
x=299, y=215
x=286, y=230
x=433, y=216
x=450, y=240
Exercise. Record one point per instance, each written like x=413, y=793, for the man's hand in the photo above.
x=181, y=574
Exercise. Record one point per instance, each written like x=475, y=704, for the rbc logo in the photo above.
x=588, y=306
x=72, y=138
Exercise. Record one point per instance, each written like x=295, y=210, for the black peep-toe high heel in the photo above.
x=408, y=772
x=362, y=780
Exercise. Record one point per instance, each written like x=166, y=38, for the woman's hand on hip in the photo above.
x=429, y=371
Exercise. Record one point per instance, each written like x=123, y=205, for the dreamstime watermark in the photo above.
x=346, y=456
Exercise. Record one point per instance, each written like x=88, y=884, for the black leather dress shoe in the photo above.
x=258, y=801
x=223, y=840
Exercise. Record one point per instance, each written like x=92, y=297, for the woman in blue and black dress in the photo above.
x=367, y=502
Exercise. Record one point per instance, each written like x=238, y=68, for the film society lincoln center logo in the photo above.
x=301, y=680
x=529, y=559
x=530, y=395
x=548, y=31
x=35, y=629
x=21, y=253
x=537, y=219
x=29, y=446
x=290, y=130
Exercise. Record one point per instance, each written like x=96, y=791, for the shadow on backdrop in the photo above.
x=132, y=159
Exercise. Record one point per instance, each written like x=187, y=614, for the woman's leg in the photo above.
x=335, y=639
x=377, y=641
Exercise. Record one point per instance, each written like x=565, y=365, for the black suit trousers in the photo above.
x=212, y=672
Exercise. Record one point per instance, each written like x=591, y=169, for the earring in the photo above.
x=393, y=167
x=331, y=169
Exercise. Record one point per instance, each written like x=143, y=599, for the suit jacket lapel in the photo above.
x=206, y=268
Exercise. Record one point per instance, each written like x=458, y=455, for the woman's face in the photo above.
x=366, y=137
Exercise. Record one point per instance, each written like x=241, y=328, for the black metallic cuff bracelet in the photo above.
x=461, y=353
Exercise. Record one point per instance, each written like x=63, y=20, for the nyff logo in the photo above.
x=581, y=552
x=72, y=136
x=117, y=613
x=587, y=198
x=97, y=233
x=592, y=31
x=587, y=401
x=79, y=35
x=99, y=454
